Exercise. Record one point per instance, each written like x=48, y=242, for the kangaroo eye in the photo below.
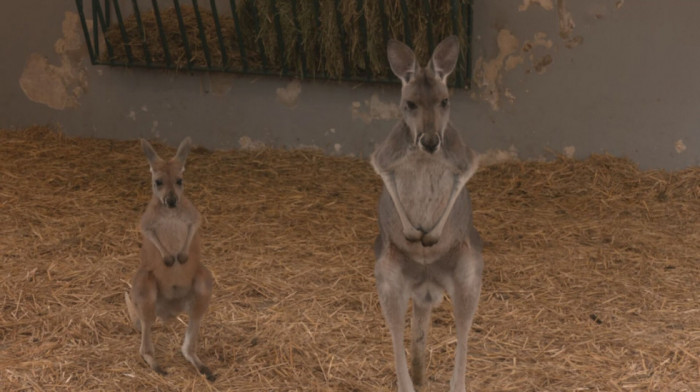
x=179, y=182
x=411, y=105
x=159, y=182
x=444, y=103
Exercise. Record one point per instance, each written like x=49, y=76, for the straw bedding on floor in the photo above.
x=591, y=280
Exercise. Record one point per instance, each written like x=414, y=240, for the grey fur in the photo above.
x=427, y=243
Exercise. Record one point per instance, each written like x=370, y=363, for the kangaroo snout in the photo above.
x=170, y=200
x=429, y=142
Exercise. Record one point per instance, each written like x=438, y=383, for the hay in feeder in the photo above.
x=151, y=40
x=591, y=273
x=304, y=38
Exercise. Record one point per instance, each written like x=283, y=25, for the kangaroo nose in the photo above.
x=171, y=200
x=430, y=142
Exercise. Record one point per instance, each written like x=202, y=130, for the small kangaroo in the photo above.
x=427, y=243
x=170, y=279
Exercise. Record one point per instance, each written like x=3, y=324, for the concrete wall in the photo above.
x=575, y=77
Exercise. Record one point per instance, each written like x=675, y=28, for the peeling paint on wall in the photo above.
x=375, y=109
x=492, y=157
x=574, y=42
x=247, y=143
x=539, y=39
x=289, y=95
x=513, y=61
x=546, y=4
x=58, y=86
x=567, y=25
x=569, y=152
x=540, y=52
x=489, y=73
x=680, y=146
x=540, y=64
x=154, y=129
x=509, y=95
x=566, y=20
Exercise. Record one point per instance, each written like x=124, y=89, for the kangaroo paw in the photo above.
x=169, y=260
x=205, y=371
x=160, y=370
x=429, y=240
x=412, y=234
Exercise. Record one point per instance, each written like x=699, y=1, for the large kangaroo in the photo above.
x=170, y=279
x=427, y=243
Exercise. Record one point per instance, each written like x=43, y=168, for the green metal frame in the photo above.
x=104, y=11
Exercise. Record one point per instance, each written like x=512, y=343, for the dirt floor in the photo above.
x=591, y=281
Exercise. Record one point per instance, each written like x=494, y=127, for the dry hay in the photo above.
x=314, y=42
x=591, y=277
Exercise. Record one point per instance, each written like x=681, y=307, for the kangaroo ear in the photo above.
x=445, y=57
x=151, y=154
x=183, y=150
x=401, y=59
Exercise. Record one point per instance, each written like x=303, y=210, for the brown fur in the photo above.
x=171, y=278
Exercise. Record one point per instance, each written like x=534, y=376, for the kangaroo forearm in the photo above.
x=151, y=236
x=391, y=188
x=454, y=194
x=191, y=231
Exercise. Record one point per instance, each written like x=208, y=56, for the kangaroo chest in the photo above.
x=172, y=233
x=423, y=184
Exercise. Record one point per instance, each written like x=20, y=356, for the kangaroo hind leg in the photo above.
x=202, y=287
x=420, y=325
x=144, y=294
x=393, y=298
x=465, y=297
x=133, y=313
